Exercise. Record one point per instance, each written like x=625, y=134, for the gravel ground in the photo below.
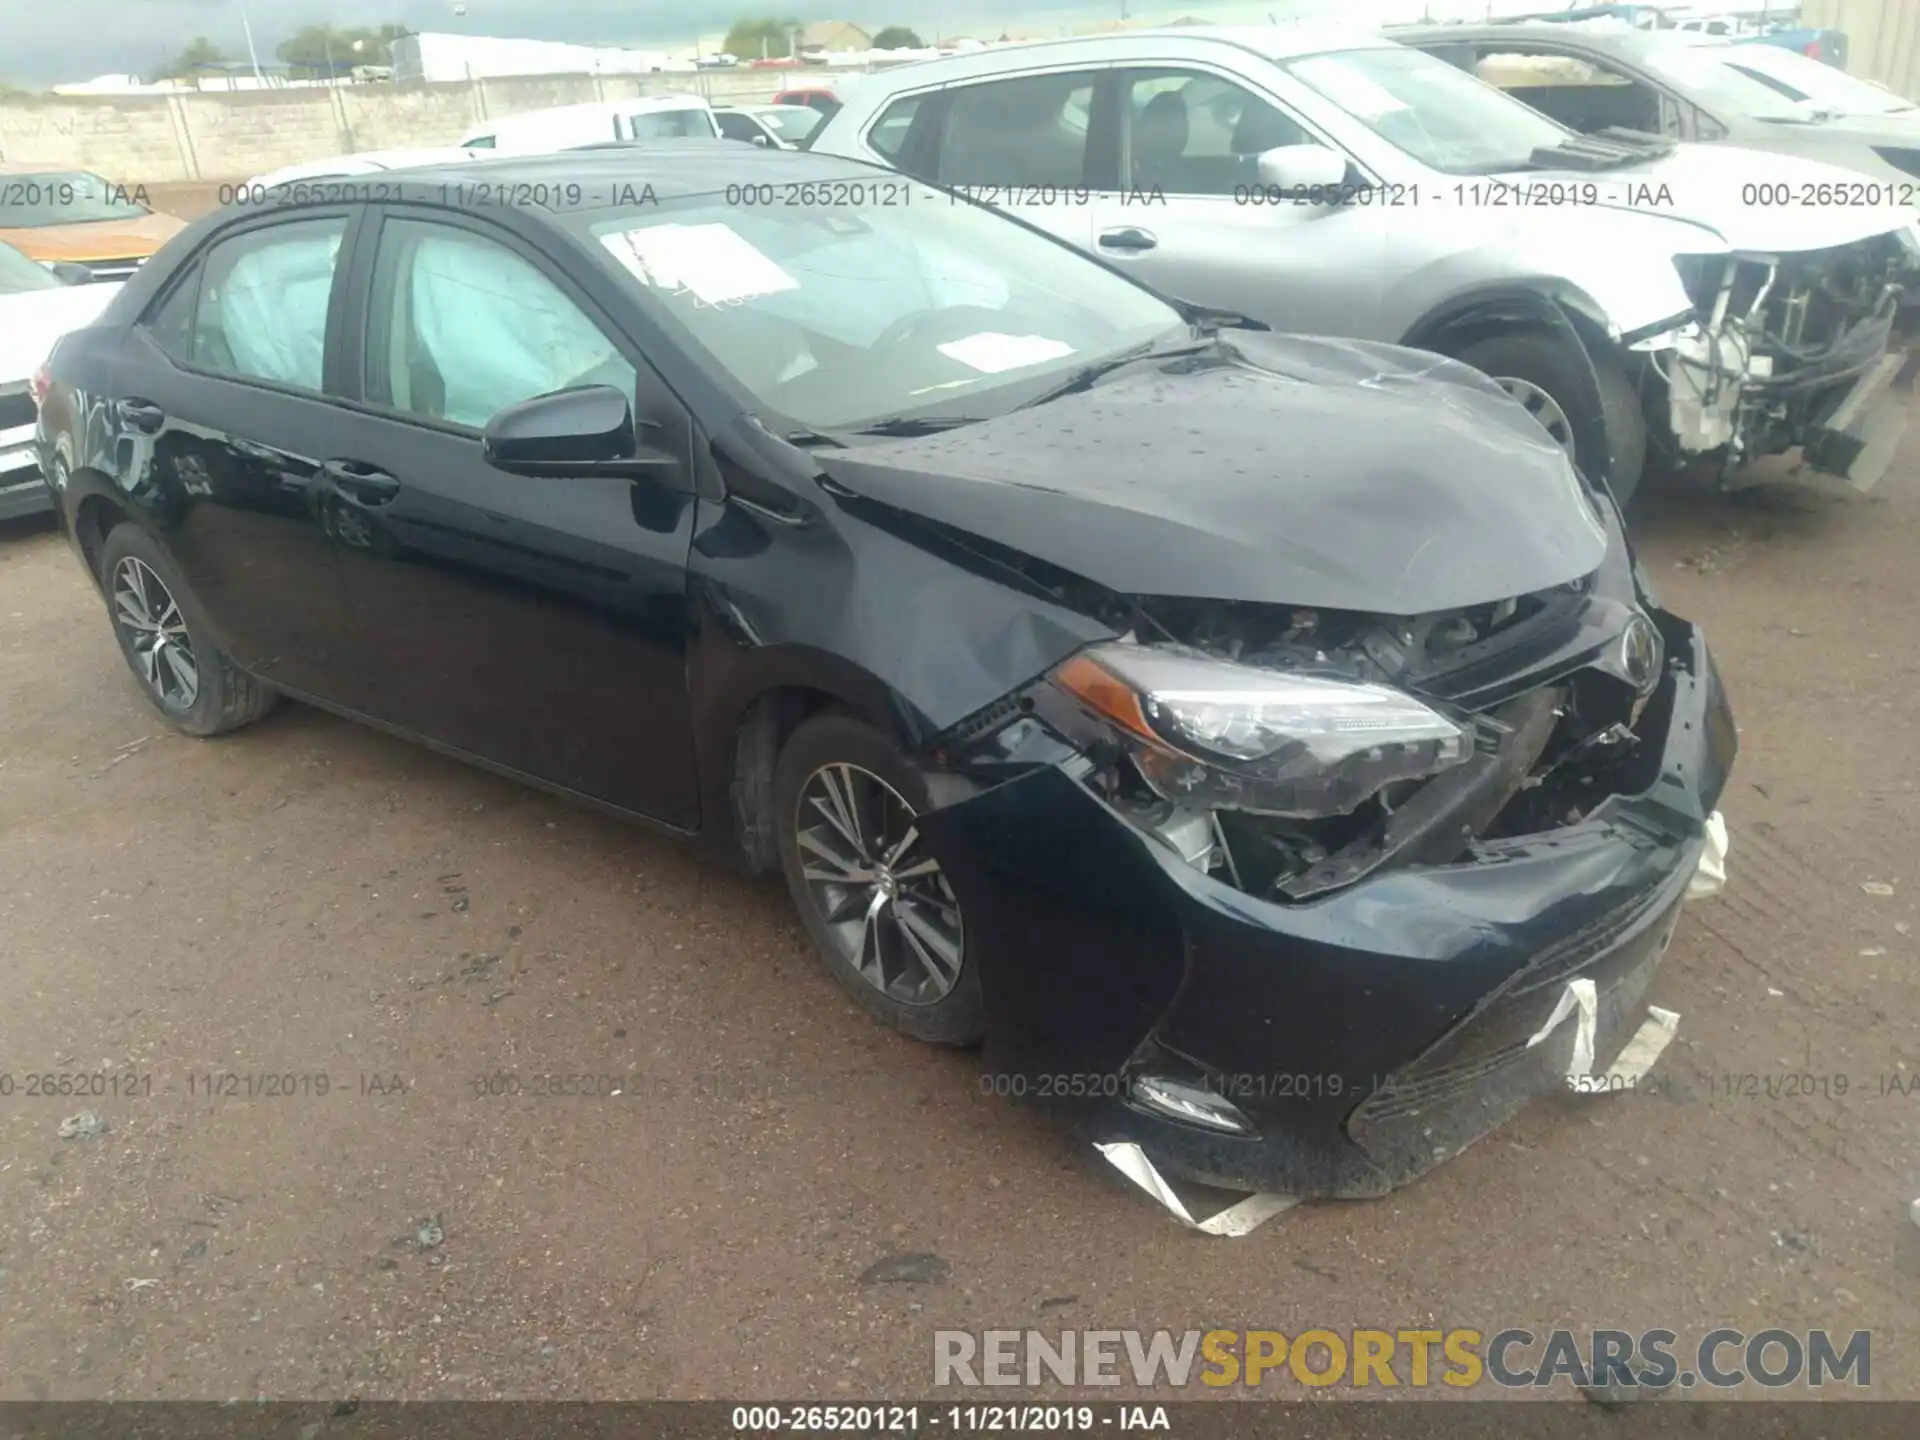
x=309, y=898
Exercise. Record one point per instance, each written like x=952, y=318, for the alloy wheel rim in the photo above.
x=883, y=899
x=155, y=633
x=1543, y=407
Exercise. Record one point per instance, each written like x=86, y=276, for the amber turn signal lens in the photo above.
x=1096, y=686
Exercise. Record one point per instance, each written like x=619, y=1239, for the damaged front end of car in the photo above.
x=1793, y=351
x=1282, y=895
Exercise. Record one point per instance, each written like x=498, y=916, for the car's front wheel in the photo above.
x=188, y=679
x=1540, y=372
x=870, y=887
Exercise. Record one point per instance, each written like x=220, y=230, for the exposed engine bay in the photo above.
x=1545, y=690
x=1786, y=351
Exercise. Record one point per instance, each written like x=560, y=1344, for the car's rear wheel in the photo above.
x=870, y=887
x=159, y=625
x=1540, y=372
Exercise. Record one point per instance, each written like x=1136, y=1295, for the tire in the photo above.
x=1542, y=362
x=186, y=677
x=904, y=958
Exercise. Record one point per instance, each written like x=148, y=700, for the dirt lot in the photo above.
x=308, y=899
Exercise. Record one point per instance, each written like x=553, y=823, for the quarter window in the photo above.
x=889, y=133
x=463, y=327
x=1190, y=133
x=1031, y=131
x=258, y=306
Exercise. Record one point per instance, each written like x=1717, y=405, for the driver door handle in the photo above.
x=1127, y=237
x=361, y=482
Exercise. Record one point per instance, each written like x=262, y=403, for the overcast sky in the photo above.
x=44, y=43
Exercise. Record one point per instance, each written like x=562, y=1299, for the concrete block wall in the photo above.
x=233, y=135
x=135, y=135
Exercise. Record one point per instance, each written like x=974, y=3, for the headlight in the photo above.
x=1207, y=732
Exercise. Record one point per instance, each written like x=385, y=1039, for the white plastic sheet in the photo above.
x=1240, y=1218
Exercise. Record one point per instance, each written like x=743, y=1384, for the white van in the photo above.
x=568, y=126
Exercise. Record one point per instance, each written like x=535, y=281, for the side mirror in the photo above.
x=71, y=272
x=588, y=431
x=762, y=141
x=1302, y=168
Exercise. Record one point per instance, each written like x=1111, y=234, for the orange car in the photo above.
x=80, y=218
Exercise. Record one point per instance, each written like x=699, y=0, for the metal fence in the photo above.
x=1883, y=38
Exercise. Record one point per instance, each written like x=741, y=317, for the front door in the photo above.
x=1191, y=218
x=540, y=624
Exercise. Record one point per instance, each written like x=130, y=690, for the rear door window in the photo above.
x=1031, y=131
x=256, y=305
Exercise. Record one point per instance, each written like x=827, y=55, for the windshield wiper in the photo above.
x=1083, y=378
x=910, y=425
x=806, y=439
x=1606, y=149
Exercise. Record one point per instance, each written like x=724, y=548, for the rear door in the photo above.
x=222, y=415
x=540, y=625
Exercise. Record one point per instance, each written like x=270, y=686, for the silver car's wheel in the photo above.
x=155, y=634
x=878, y=894
x=1542, y=406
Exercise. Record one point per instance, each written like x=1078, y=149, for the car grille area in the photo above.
x=1483, y=1070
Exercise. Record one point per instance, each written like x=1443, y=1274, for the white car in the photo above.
x=772, y=127
x=568, y=127
x=37, y=307
x=1640, y=296
x=367, y=162
x=1815, y=84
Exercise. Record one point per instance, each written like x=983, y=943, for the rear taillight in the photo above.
x=42, y=382
x=1813, y=50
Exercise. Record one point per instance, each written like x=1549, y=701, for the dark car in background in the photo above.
x=1165, y=702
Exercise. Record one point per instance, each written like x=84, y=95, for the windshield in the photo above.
x=898, y=300
x=792, y=125
x=670, y=124
x=62, y=197
x=1436, y=112
x=18, y=273
x=1800, y=78
x=1699, y=73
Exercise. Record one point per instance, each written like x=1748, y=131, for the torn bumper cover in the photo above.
x=1805, y=351
x=1357, y=1038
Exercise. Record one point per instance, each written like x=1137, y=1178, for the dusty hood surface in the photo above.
x=1337, y=474
x=1707, y=184
x=33, y=319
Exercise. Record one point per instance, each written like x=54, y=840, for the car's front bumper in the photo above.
x=1366, y=1035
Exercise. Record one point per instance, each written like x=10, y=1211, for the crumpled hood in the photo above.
x=1707, y=185
x=31, y=320
x=1336, y=474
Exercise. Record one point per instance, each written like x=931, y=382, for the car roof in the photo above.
x=674, y=169
x=1625, y=43
x=1272, y=42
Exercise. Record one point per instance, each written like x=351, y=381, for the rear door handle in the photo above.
x=361, y=482
x=141, y=415
x=1127, y=237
